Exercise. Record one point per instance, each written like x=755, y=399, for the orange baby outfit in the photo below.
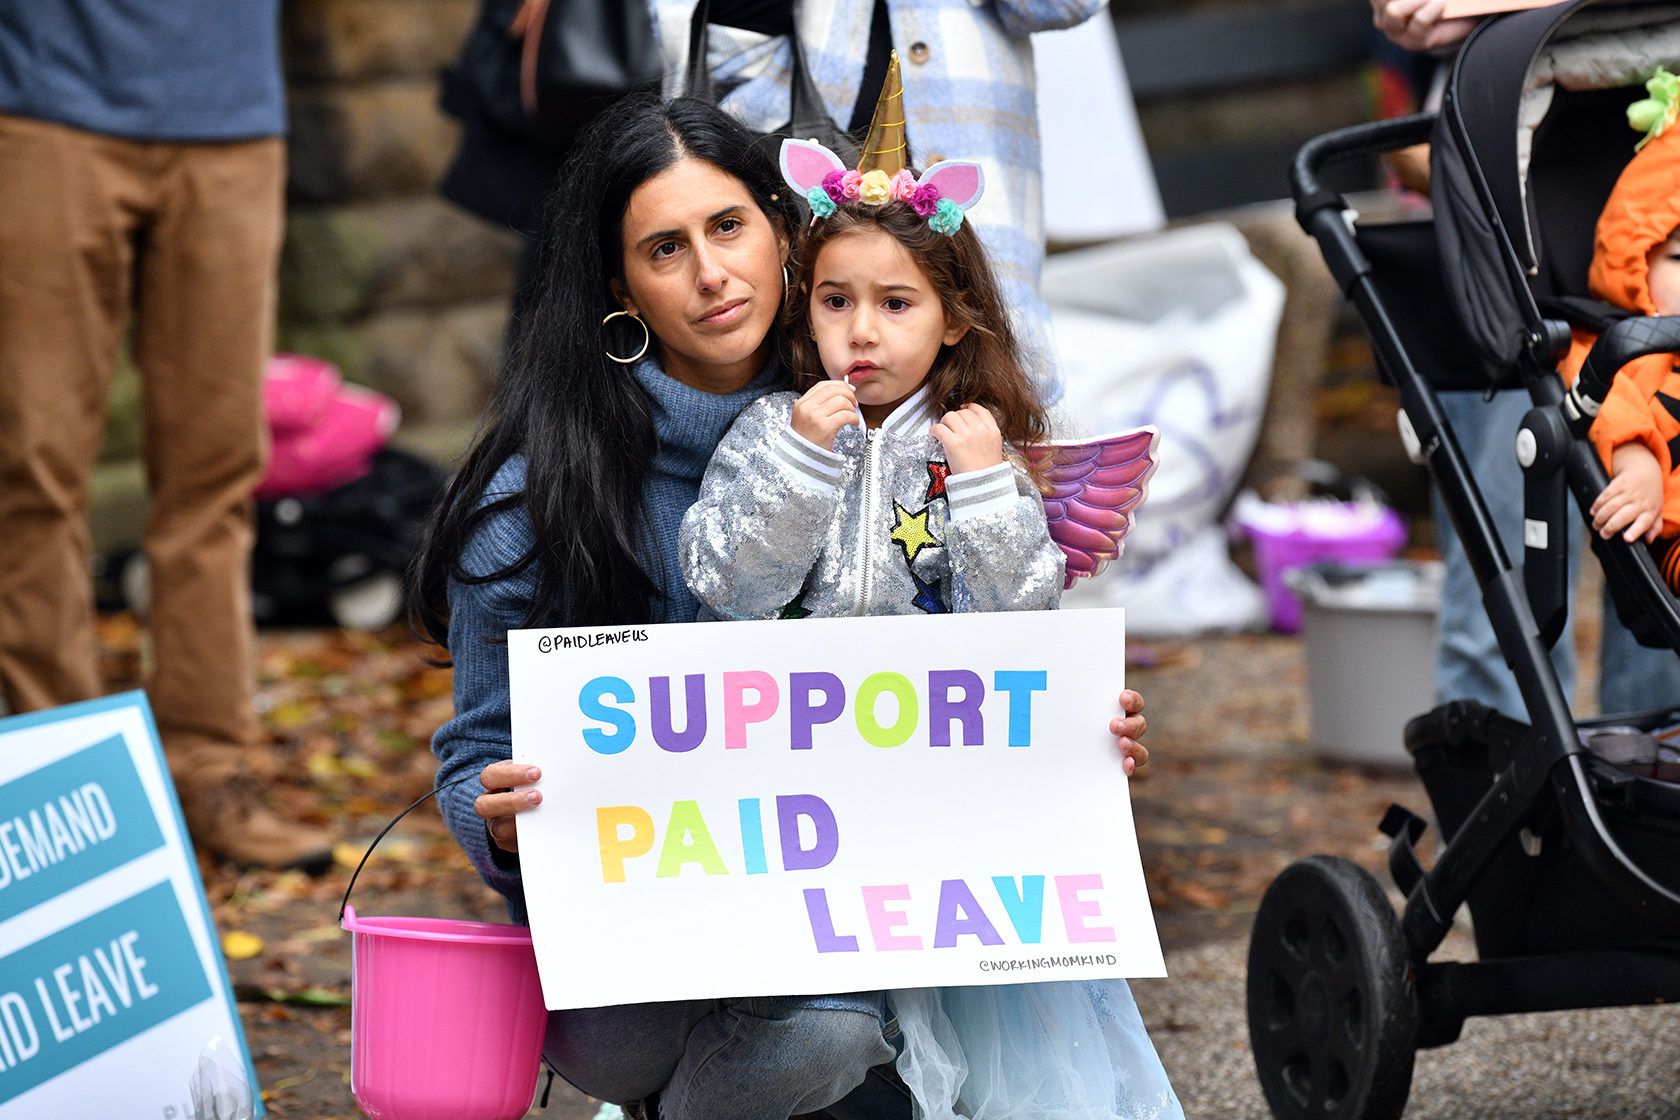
x=1644, y=400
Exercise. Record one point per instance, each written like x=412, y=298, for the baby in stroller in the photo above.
x=1636, y=267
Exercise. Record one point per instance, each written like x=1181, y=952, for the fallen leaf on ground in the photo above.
x=238, y=945
x=292, y=1082
x=1197, y=895
x=346, y=854
x=324, y=767
x=358, y=767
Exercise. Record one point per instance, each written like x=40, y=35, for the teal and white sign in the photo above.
x=111, y=981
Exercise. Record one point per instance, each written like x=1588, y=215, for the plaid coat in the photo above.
x=968, y=94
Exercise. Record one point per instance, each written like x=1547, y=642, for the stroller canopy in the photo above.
x=1532, y=137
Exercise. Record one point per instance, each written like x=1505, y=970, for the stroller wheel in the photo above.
x=1332, y=1014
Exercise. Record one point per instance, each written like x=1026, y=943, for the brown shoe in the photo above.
x=222, y=802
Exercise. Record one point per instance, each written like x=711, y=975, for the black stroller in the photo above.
x=1569, y=861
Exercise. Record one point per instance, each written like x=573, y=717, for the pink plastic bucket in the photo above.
x=1277, y=552
x=446, y=1019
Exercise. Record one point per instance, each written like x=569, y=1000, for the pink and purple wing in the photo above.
x=1094, y=487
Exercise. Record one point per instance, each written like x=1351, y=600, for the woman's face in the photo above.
x=703, y=268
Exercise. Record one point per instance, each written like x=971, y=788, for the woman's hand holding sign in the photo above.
x=506, y=795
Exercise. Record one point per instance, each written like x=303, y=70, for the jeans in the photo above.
x=1468, y=662
x=762, y=1058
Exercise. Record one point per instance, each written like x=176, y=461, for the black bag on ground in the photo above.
x=340, y=556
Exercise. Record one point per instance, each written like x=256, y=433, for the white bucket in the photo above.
x=1370, y=635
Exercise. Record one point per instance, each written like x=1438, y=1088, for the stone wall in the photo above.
x=404, y=291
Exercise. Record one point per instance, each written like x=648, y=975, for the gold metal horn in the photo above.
x=885, y=147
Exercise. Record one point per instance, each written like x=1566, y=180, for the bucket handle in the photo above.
x=367, y=855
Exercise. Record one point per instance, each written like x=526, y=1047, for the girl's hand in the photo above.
x=1417, y=24
x=824, y=409
x=971, y=439
x=1129, y=730
x=502, y=800
x=1632, y=503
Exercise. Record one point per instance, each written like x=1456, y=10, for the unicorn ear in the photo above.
x=959, y=180
x=806, y=162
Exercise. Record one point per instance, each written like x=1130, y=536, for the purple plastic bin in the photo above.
x=1366, y=540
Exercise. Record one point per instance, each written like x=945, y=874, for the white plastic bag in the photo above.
x=218, y=1086
x=1176, y=330
x=1192, y=590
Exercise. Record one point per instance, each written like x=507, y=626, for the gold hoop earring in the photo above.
x=787, y=283
x=647, y=338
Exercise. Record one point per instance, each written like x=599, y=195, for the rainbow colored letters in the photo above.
x=954, y=698
x=805, y=714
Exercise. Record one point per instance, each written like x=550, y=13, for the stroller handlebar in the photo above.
x=1622, y=343
x=1342, y=145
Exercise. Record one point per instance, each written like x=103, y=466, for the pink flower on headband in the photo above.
x=832, y=185
x=924, y=200
x=903, y=185
x=851, y=184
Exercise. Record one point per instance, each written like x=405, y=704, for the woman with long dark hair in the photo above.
x=662, y=273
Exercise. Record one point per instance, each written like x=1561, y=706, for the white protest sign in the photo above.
x=111, y=981
x=835, y=805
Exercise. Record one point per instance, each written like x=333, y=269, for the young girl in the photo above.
x=886, y=487
x=883, y=488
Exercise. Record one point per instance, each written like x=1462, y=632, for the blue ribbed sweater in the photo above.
x=689, y=423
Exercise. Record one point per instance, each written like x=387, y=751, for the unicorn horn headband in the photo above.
x=885, y=148
x=942, y=195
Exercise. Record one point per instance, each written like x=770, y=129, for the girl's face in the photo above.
x=876, y=319
x=703, y=268
x=1663, y=275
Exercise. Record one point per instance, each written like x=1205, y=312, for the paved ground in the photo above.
x=1232, y=797
x=1614, y=1064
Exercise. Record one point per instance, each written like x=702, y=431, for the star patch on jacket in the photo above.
x=937, y=474
x=928, y=597
x=796, y=607
x=910, y=531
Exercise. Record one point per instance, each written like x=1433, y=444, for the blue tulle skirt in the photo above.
x=1063, y=1050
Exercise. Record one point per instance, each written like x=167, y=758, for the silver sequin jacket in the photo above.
x=878, y=526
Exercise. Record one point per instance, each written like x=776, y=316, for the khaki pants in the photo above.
x=178, y=244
